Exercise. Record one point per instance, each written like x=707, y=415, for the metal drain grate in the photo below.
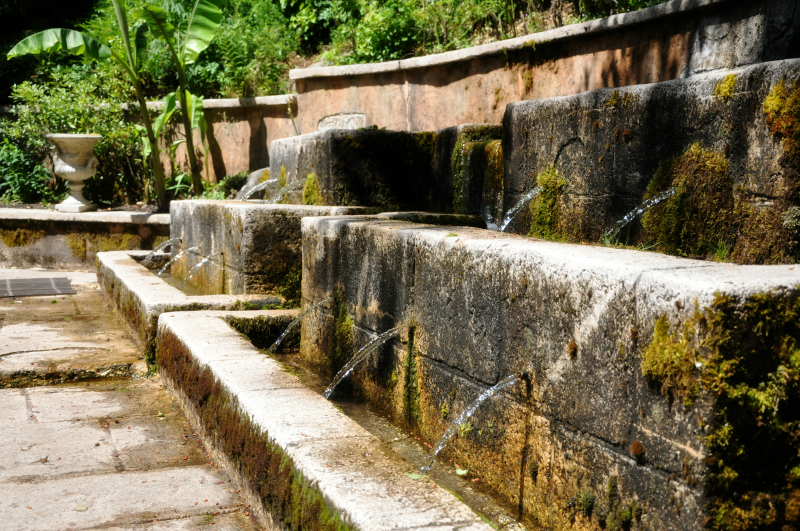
x=28, y=287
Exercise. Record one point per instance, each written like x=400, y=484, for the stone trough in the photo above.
x=619, y=417
x=140, y=296
x=304, y=463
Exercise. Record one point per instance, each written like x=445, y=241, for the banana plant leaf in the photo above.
x=203, y=25
x=53, y=40
x=156, y=19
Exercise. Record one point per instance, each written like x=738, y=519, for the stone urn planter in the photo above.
x=75, y=162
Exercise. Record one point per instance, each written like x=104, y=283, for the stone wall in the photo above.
x=255, y=247
x=54, y=240
x=588, y=440
x=607, y=145
x=669, y=41
x=239, y=134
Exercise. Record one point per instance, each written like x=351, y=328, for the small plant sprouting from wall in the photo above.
x=545, y=209
x=744, y=358
x=708, y=217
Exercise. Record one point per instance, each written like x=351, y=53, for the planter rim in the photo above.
x=59, y=136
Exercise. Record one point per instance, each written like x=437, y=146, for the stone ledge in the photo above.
x=614, y=22
x=24, y=214
x=237, y=103
x=346, y=464
x=140, y=296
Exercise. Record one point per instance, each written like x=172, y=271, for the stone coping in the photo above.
x=614, y=22
x=140, y=296
x=234, y=103
x=348, y=465
x=135, y=218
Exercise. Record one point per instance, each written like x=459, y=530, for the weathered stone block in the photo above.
x=587, y=324
x=393, y=170
x=607, y=145
x=256, y=246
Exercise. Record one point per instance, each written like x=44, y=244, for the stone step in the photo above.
x=303, y=461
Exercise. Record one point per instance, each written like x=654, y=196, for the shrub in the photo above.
x=22, y=178
x=81, y=100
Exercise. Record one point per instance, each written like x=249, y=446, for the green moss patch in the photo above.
x=742, y=356
x=545, y=209
x=708, y=217
x=21, y=237
x=270, y=472
x=311, y=194
x=725, y=88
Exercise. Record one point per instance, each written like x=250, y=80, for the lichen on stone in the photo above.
x=725, y=88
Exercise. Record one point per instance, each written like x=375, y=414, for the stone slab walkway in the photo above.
x=110, y=453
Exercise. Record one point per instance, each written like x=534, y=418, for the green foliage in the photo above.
x=670, y=361
x=22, y=178
x=80, y=100
x=747, y=355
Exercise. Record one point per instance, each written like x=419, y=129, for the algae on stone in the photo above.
x=545, y=209
x=745, y=362
x=21, y=237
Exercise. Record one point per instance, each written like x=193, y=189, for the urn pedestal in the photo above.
x=75, y=162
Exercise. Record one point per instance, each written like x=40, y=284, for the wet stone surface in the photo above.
x=103, y=451
x=58, y=338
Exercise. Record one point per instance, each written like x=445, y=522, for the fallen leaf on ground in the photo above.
x=81, y=508
x=461, y=471
x=415, y=477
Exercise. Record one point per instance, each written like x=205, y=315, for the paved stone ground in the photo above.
x=110, y=452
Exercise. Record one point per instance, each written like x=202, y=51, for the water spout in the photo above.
x=259, y=187
x=360, y=356
x=527, y=198
x=296, y=321
x=161, y=247
x=174, y=258
x=197, y=268
x=294, y=185
x=465, y=416
x=636, y=212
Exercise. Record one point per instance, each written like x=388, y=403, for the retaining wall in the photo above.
x=607, y=145
x=239, y=134
x=673, y=40
x=55, y=240
x=476, y=306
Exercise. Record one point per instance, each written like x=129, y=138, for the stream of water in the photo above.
x=174, y=258
x=259, y=187
x=612, y=233
x=465, y=416
x=360, y=356
x=296, y=322
x=527, y=198
x=161, y=247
